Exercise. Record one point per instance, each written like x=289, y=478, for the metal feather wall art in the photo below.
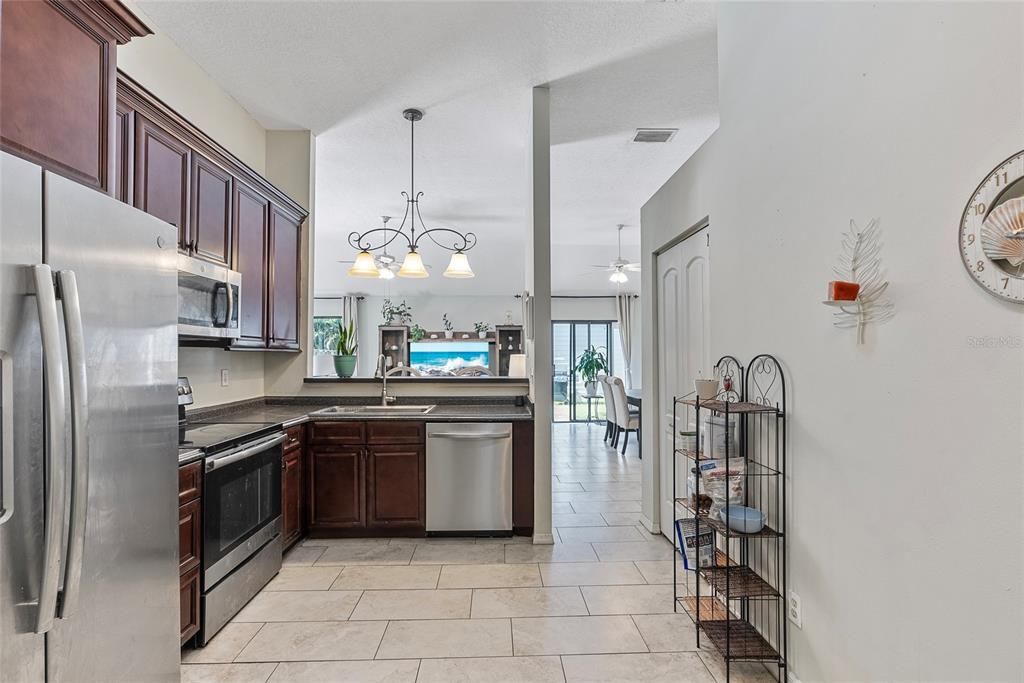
x=860, y=262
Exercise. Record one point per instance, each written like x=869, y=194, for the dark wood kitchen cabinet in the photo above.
x=395, y=486
x=162, y=166
x=58, y=66
x=210, y=230
x=252, y=250
x=190, y=545
x=124, y=153
x=225, y=212
x=367, y=478
x=285, y=264
x=293, y=488
x=337, y=488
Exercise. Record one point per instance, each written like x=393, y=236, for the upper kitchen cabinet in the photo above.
x=252, y=252
x=57, y=84
x=286, y=238
x=210, y=230
x=162, y=166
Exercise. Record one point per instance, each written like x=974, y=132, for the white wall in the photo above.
x=905, y=453
x=164, y=69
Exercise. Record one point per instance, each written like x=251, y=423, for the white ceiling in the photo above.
x=346, y=71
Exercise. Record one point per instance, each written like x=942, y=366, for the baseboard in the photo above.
x=791, y=677
x=543, y=539
x=649, y=525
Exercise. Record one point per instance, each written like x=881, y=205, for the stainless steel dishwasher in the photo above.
x=469, y=477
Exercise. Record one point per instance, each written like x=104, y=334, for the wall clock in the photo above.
x=992, y=231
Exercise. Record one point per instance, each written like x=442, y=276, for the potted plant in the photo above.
x=448, y=329
x=400, y=314
x=482, y=329
x=592, y=363
x=416, y=333
x=345, y=350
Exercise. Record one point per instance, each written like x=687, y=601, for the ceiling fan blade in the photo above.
x=604, y=267
x=632, y=267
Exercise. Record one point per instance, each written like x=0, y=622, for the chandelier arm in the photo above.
x=463, y=242
x=362, y=242
x=427, y=231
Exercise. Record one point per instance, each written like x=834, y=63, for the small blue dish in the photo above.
x=742, y=519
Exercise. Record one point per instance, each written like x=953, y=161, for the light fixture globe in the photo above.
x=386, y=273
x=412, y=266
x=618, y=277
x=458, y=267
x=364, y=266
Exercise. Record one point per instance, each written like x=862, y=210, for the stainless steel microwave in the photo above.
x=208, y=298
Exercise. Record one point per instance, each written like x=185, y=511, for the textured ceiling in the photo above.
x=346, y=71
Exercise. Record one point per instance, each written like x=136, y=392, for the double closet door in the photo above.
x=683, y=348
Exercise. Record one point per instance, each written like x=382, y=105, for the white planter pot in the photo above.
x=591, y=389
x=449, y=335
x=483, y=335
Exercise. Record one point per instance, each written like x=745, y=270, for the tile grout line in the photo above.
x=637, y=627
x=251, y=638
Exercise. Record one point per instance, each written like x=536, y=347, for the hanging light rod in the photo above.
x=379, y=238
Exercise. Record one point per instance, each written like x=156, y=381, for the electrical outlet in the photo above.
x=794, y=608
x=224, y=379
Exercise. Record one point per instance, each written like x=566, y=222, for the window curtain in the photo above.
x=625, y=304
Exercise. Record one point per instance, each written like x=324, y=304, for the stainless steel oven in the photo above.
x=241, y=527
x=207, y=301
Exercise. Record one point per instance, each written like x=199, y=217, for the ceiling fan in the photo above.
x=387, y=265
x=620, y=266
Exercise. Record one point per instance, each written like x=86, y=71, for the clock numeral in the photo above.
x=1001, y=178
x=980, y=266
x=979, y=209
x=1006, y=281
x=970, y=240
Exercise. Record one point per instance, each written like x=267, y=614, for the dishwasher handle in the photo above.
x=472, y=436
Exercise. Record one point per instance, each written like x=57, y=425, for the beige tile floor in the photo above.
x=596, y=606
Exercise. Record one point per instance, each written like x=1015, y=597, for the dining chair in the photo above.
x=609, y=408
x=626, y=419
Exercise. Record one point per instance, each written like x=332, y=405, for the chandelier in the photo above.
x=380, y=238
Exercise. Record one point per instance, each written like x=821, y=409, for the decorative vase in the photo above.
x=345, y=366
x=483, y=335
x=591, y=389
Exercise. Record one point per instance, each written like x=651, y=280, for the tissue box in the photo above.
x=843, y=291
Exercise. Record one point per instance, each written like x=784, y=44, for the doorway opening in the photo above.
x=570, y=338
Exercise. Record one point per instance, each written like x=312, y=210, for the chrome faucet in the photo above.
x=384, y=398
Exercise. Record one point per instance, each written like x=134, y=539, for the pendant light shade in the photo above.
x=618, y=277
x=364, y=266
x=458, y=266
x=412, y=266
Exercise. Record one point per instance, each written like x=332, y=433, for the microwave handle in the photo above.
x=231, y=304
x=227, y=297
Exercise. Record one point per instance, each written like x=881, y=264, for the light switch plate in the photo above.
x=224, y=379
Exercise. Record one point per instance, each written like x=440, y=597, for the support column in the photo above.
x=538, y=283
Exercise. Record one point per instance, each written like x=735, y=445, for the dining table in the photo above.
x=634, y=397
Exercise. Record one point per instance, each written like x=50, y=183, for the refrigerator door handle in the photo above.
x=6, y=437
x=79, y=503
x=55, y=407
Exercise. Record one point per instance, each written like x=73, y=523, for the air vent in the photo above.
x=654, y=134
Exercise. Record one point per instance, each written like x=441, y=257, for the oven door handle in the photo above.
x=244, y=452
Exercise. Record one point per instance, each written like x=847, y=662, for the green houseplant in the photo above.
x=592, y=362
x=482, y=329
x=345, y=350
x=448, y=328
x=416, y=333
x=396, y=313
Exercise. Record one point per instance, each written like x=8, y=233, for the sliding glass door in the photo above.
x=570, y=339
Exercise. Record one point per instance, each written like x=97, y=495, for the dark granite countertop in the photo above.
x=290, y=412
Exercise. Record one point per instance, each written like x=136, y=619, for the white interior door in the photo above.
x=683, y=353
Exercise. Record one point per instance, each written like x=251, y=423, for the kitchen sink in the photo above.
x=395, y=409
x=374, y=410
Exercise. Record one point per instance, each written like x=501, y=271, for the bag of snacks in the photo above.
x=723, y=480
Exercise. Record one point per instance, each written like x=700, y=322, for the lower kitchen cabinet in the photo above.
x=293, y=495
x=190, y=595
x=395, y=485
x=338, y=487
x=190, y=545
x=374, y=486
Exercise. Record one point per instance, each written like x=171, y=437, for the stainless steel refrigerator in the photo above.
x=88, y=473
